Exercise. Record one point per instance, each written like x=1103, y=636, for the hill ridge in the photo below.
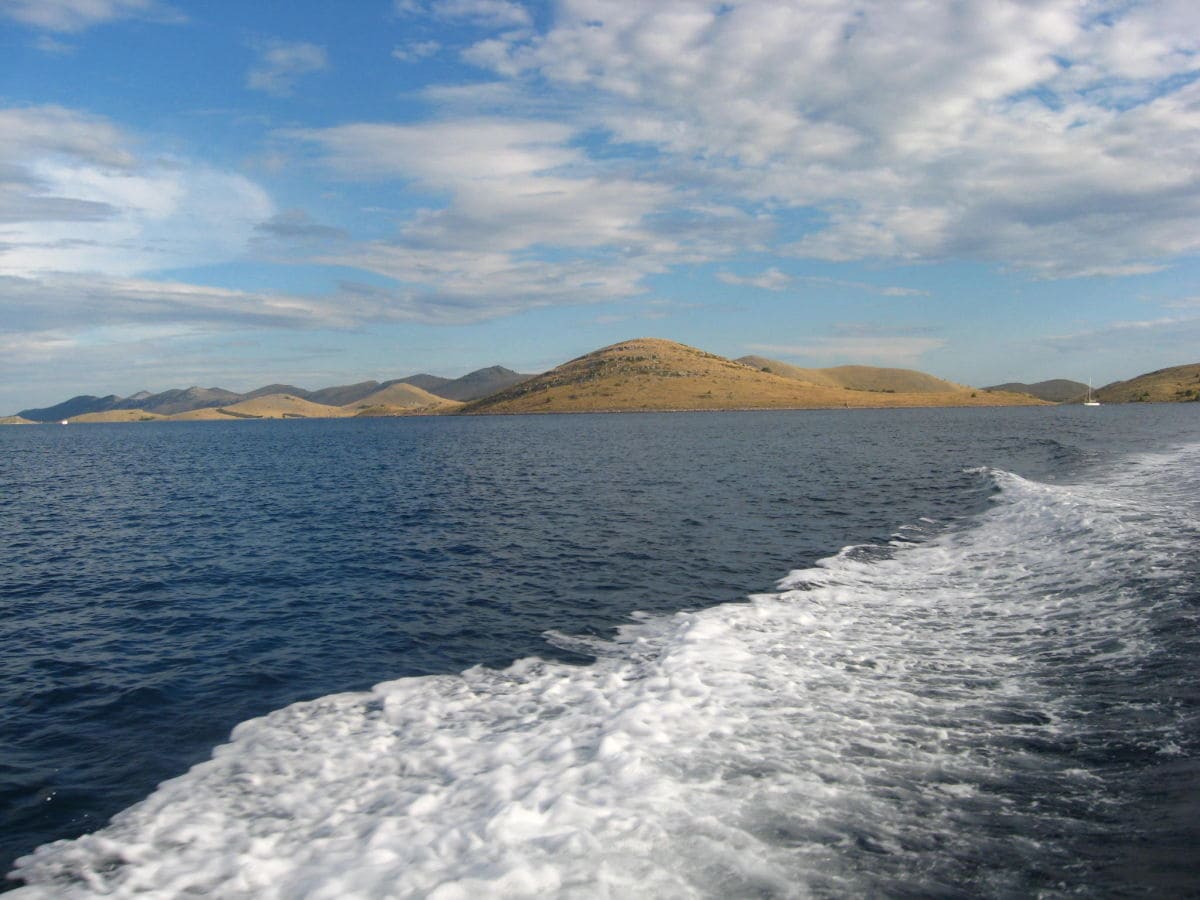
x=858, y=377
x=1173, y=384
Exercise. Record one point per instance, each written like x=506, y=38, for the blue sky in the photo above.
x=231, y=194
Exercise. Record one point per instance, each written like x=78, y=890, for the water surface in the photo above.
x=976, y=679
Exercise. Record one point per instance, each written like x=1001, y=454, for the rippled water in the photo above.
x=990, y=690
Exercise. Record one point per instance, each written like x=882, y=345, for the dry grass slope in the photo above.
x=16, y=420
x=787, y=370
x=284, y=406
x=117, y=415
x=1174, y=385
x=208, y=414
x=654, y=374
x=401, y=400
x=859, y=378
x=270, y=406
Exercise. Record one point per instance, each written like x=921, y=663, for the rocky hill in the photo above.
x=655, y=374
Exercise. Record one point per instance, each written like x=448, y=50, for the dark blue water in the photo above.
x=160, y=583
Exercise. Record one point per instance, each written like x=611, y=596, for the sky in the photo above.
x=232, y=194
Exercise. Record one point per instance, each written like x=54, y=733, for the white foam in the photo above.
x=848, y=732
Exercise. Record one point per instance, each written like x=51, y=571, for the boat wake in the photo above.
x=963, y=711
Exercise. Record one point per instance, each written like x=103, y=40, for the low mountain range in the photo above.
x=173, y=402
x=634, y=375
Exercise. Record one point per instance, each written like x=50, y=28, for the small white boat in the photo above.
x=65, y=421
x=1090, y=401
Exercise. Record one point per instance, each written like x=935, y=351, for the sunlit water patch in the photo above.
x=980, y=708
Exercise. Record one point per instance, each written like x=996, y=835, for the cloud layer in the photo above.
x=1053, y=135
x=524, y=217
x=78, y=15
x=74, y=197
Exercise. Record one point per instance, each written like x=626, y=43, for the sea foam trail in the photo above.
x=949, y=716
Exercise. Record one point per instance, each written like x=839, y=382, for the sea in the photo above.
x=846, y=653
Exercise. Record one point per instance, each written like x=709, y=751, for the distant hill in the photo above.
x=15, y=420
x=1057, y=390
x=176, y=401
x=270, y=389
x=400, y=394
x=399, y=398
x=479, y=383
x=425, y=382
x=650, y=374
x=283, y=406
x=163, y=404
x=1173, y=385
x=343, y=394
x=858, y=378
x=902, y=381
x=471, y=386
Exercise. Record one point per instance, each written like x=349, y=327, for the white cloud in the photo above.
x=56, y=131
x=415, y=51
x=79, y=15
x=774, y=280
x=296, y=226
x=445, y=153
x=282, y=63
x=454, y=286
x=75, y=198
x=53, y=46
x=513, y=185
x=527, y=220
x=1050, y=135
x=770, y=280
x=1134, y=337
x=1183, y=303
x=62, y=303
x=85, y=222
x=35, y=347
x=484, y=13
x=886, y=290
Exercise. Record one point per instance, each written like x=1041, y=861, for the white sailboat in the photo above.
x=1090, y=401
